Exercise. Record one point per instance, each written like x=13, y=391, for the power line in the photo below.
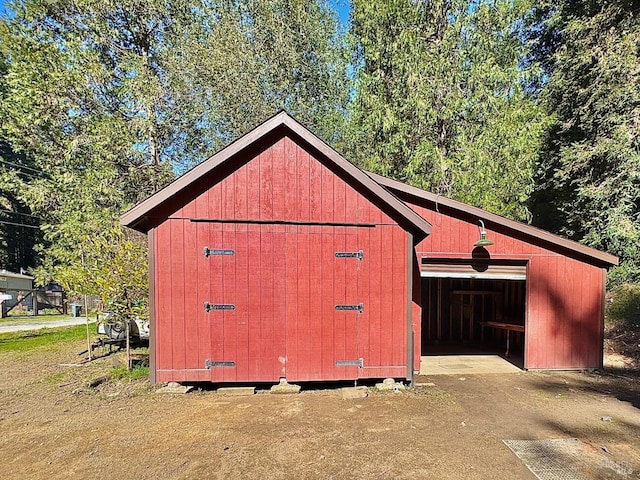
x=20, y=213
x=19, y=166
x=19, y=224
x=36, y=174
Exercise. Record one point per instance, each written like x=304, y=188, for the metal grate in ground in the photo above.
x=548, y=459
x=566, y=459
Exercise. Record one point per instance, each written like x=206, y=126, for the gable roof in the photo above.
x=496, y=222
x=141, y=216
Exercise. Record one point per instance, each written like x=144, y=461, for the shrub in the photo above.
x=623, y=306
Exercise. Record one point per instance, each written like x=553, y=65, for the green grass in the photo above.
x=55, y=377
x=136, y=373
x=441, y=397
x=549, y=395
x=48, y=337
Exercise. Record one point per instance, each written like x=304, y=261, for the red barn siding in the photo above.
x=564, y=295
x=306, y=191
x=284, y=282
x=416, y=311
x=564, y=314
x=284, y=279
x=285, y=202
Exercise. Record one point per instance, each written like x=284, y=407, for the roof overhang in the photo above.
x=5, y=273
x=141, y=216
x=496, y=222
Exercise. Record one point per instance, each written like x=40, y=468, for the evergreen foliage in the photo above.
x=19, y=227
x=527, y=109
x=441, y=100
x=110, y=99
x=588, y=174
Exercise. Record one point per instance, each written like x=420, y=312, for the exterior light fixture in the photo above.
x=484, y=241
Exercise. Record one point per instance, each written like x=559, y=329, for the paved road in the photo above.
x=19, y=326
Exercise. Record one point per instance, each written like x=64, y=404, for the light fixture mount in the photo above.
x=484, y=241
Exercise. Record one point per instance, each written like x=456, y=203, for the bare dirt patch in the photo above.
x=52, y=425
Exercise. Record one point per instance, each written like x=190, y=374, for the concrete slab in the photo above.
x=465, y=365
x=173, y=387
x=285, y=388
x=390, y=384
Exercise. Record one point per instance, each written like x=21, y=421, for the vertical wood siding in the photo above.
x=284, y=280
x=284, y=183
x=564, y=295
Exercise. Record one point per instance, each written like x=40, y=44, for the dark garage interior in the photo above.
x=466, y=315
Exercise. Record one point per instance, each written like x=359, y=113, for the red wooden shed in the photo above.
x=277, y=258
x=547, y=289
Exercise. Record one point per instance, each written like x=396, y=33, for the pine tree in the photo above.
x=441, y=100
x=588, y=181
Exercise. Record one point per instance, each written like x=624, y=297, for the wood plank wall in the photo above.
x=506, y=303
x=283, y=280
x=564, y=295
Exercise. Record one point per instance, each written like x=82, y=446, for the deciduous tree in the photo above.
x=110, y=99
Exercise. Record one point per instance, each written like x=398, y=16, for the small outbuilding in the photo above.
x=541, y=291
x=15, y=291
x=277, y=258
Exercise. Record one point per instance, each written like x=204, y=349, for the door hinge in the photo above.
x=217, y=306
x=208, y=364
x=217, y=251
x=359, y=307
x=350, y=363
x=359, y=255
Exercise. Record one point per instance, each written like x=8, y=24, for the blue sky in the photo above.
x=342, y=6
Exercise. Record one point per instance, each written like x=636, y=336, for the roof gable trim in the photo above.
x=137, y=217
x=511, y=225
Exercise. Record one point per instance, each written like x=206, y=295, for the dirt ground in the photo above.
x=52, y=425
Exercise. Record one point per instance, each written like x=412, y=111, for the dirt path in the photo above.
x=53, y=426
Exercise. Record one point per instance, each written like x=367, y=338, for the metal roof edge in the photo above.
x=7, y=273
x=489, y=217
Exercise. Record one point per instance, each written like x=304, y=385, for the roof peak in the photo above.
x=140, y=217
